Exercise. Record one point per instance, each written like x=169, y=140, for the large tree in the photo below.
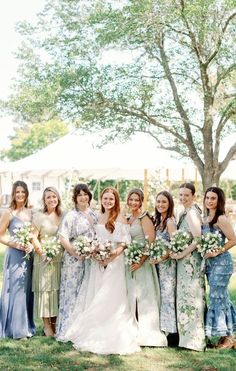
x=30, y=138
x=172, y=77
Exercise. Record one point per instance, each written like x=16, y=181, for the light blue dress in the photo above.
x=166, y=271
x=221, y=315
x=144, y=296
x=74, y=271
x=16, y=305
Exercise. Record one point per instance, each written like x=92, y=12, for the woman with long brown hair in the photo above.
x=142, y=281
x=165, y=226
x=46, y=274
x=16, y=305
x=220, y=318
x=106, y=326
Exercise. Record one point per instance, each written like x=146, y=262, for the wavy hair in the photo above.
x=220, y=208
x=58, y=207
x=114, y=212
x=19, y=183
x=170, y=211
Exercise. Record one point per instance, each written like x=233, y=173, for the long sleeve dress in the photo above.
x=16, y=304
x=106, y=326
x=73, y=271
x=190, y=297
x=221, y=315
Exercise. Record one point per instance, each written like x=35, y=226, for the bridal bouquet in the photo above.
x=208, y=242
x=158, y=250
x=82, y=246
x=50, y=247
x=134, y=251
x=180, y=240
x=101, y=251
x=23, y=235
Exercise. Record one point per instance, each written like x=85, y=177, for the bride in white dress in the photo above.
x=106, y=325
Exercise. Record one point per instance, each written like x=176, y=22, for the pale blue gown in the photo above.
x=16, y=305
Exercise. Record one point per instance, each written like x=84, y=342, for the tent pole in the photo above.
x=145, y=188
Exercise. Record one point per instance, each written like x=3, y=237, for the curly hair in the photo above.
x=114, y=212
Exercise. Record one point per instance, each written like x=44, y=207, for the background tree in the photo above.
x=30, y=138
x=172, y=80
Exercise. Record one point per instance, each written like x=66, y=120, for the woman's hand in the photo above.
x=213, y=254
x=136, y=266
x=162, y=259
x=105, y=262
x=19, y=246
x=29, y=248
x=180, y=255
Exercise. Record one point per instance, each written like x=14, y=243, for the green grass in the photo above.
x=40, y=353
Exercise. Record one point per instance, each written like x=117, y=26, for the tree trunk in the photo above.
x=209, y=178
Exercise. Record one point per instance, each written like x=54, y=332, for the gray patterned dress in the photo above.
x=73, y=271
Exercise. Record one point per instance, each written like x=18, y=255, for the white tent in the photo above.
x=80, y=153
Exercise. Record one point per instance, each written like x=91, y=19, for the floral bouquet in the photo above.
x=82, y=246
x=208, y=242
x=23, y=235
x=50, y=247
x=101, y=251
x=134, y=251
x=180, y=240
x=158, y=250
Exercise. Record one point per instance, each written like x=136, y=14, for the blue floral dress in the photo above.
x=74, y=271
x=190, y=296
x=221, y=315
x=16, y=304
x=166, y=271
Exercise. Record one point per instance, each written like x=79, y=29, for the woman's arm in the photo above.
x=224, y=224
x=194, y=224
x=4, y=223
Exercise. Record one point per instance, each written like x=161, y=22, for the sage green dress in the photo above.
x=46, y=277
x=190, y=296
x=144, y=295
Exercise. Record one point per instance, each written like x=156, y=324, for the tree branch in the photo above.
x=223, y=165
x=219, y=42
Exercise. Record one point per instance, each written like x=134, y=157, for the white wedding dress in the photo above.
x=105, y=325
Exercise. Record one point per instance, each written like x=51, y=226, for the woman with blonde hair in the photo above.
x=46, y=273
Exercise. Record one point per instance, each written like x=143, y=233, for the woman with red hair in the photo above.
x=106, y=326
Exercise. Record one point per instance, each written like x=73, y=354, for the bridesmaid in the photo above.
x=16, y=305
x=165, y=226
x=143, y=285
x=46, y=276
x=221, y=315
x=79, y=221
x=190, y=278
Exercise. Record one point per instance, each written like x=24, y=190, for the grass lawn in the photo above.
x=40, y=353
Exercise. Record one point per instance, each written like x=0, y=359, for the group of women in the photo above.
x=109, y=307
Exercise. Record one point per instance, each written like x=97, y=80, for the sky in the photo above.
x=11, y=12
